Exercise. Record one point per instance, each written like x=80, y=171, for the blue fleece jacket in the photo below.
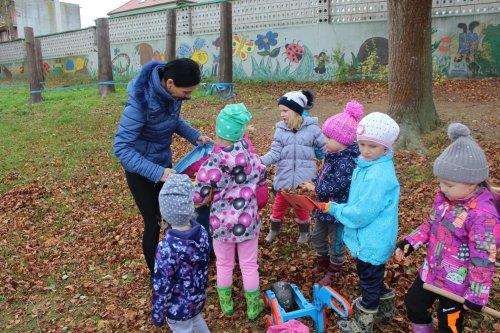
x=151, y=117
x=370, y=216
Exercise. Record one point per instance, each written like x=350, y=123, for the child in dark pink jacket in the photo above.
x=462, y=235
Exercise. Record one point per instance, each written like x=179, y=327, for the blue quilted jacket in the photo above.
x=181, y=275
x=151, y=117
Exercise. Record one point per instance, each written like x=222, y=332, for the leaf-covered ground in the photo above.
x=70, y=235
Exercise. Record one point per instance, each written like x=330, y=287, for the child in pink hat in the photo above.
x=332, y=184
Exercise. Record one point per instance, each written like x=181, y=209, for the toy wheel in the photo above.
x=266, y=300
x=284, y=295
x=268, y=320
x=275, y=312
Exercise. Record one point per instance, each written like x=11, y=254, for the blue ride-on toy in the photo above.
x=287, y=302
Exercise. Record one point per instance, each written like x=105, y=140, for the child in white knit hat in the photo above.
x=370, y=219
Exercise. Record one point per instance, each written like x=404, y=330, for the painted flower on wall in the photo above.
x=264, y=42
x=200, y=56
x=80, y=63
x=242, y=47
x=196, y=53
x=46, y=67
x=184, y=51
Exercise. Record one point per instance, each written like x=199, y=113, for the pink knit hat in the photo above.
x=342, y=126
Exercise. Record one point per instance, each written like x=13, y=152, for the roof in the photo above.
x=139, y=4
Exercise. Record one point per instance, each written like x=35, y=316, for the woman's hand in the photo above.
x=167, y=172
x=203, y=139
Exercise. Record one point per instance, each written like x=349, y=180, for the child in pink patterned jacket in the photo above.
x=462, y=236
x=230, y=179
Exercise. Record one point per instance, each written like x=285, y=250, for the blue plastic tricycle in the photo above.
x=323, y=297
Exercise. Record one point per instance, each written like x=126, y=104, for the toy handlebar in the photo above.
x=459, y=299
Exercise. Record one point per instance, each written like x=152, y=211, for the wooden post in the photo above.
x=39, y=60
x=31, y=63
x=105, y=69
x=226, y=49
x=171, y=34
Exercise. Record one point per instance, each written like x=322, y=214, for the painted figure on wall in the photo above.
x=468, y=42
x=145, y=53
x=321, y=60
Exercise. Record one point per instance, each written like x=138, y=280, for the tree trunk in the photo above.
x=171, y=34
x=104, y=65
x=226, y=49
x=32, y=63
x=410, y=70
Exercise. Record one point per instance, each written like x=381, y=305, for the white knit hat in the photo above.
x=297, y=101
x=378, y=127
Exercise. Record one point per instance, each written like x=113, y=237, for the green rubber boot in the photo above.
x=255, y=304
x=226, y=300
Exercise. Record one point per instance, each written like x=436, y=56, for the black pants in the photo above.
x=145, y=193
x=371, y=281
x=203, y=217
x=419, y=300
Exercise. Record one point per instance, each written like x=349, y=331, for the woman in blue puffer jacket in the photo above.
x=144, y=136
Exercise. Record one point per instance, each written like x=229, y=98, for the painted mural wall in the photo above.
x=463, y=46
x=467, y=46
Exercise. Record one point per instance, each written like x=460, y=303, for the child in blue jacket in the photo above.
x=370, y=219
x=181, y=266
x=332, y=184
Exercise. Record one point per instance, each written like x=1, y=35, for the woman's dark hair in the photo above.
x=184, y=72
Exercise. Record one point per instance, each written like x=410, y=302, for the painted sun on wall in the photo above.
x=472, y=51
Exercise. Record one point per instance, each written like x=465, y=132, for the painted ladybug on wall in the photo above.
x=294, y=52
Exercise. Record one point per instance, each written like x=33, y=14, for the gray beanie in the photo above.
x=176, y=200
x=463, y=161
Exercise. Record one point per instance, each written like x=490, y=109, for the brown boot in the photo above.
x=334, y=271
x=322, y=262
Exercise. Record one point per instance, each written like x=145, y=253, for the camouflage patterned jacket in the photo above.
x=462, y=238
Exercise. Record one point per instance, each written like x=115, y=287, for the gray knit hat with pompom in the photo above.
x=463, y=161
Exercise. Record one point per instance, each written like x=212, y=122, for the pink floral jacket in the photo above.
x=231, y=178
x=462, y=238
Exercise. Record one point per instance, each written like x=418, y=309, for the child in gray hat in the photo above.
x=462, y=235
x=181, y=265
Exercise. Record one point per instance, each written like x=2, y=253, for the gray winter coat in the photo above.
x=294, y=153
